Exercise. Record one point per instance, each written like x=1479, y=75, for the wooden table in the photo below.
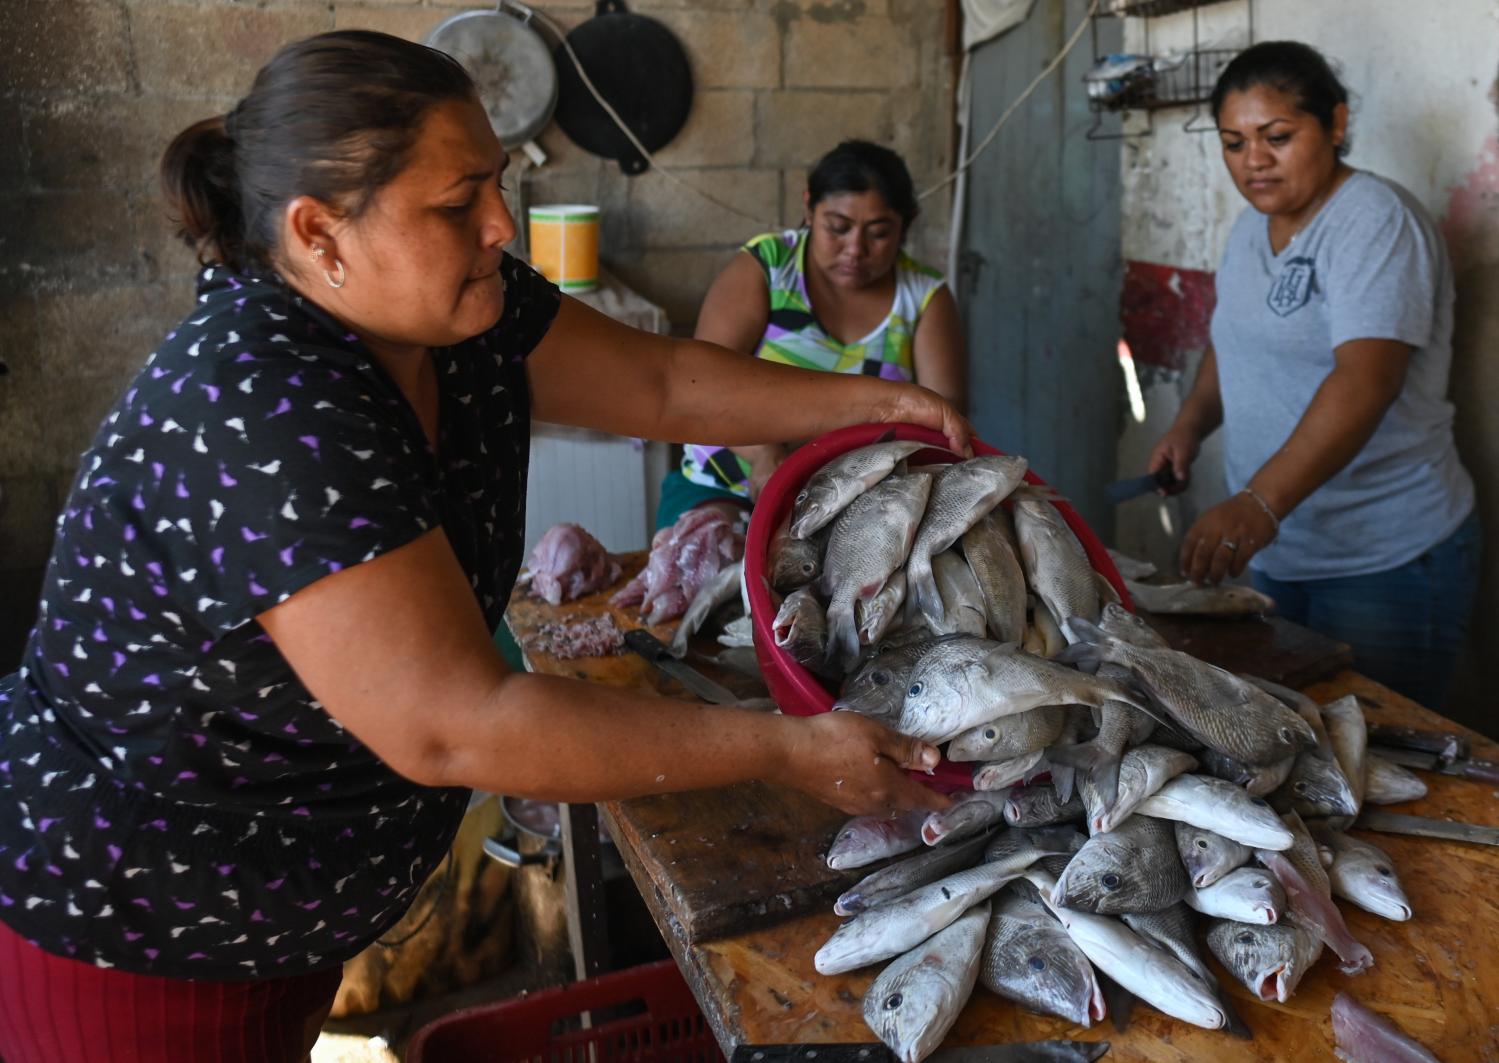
x=1436, y=975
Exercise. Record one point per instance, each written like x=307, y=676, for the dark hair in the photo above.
x=859, y=166
x=332, y=117
x=1297, y=69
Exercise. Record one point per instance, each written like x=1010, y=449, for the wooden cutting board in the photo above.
x=735, y=859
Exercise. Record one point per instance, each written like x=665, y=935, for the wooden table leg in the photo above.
x=582, y=861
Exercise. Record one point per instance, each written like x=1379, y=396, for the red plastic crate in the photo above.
x=665, y=1025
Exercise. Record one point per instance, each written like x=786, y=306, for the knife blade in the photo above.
x=1123, y=490
x=1422, y=827
x=1028, y=1052
x=1475, y=768
x=655, y=651
x=1444, y=745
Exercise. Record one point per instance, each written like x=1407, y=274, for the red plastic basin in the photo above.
x=796, y=690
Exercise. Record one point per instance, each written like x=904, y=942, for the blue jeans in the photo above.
x=1407, y=626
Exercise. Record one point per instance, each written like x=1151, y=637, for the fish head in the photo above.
x=1374, y=882
x=1257, y=891
x=1263, y=958
x=1052, y=974
x=816, y=504
x=876, y=690
x=912, y=1012
x=1207, y=856
x=1099, y=879
x=1130, y=627
x=796, y=564
x=1292, y=733
x=1318, y=787
x=935, y=693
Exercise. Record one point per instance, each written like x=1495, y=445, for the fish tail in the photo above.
x=1100, y=764
x=1232, y=1021
x=1064, y=781
x=921, y=590
x=843, y=635
x=1319, y=914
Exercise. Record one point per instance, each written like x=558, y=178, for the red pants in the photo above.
x=56, y=1010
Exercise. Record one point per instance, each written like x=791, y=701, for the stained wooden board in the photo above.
x=735, y=859
x=1435, y=975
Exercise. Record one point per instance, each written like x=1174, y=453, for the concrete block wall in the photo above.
x=91, y=91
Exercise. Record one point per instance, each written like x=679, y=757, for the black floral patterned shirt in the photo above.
x=173, y=801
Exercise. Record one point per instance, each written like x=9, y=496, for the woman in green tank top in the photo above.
x=837, y=295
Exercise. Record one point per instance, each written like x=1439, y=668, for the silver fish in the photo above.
x=1174, y=929
x=1300, y=704
x=866, y=839
x=1017, y=771
x=1039, y=806
x=948, y=695
x=1246, y=895
x=1365, y=875
x=869, y=541
x=1142, y=772
x=1009, y=736
x=721, y=588
x=994, y=557
x=1215, y=706
x=1120, y=726
x=1019, y=847
x=877, y=615
x=1156, y=977
x=878, y=688
x=1208, y=856
x=801, y=627
x=1316, y=788
x=832, y=488
x=1257, y=779
x=1199, y=600
x=1056, y=565
x=1309, y=896
x=1044, y=635
x=1363, y=1036
x=1221, y=807
x=904, y=876
x=1270, y=961
x=1028, y=958
x=1133, y=868
x=793, y=562
x=1388, y=783
x=916, y=1000
x=1348, y=732
x=878, y=933
x=1131, y=567
x=970, y=812
x=962, y=601
x=1131, y=627
x=962, y=494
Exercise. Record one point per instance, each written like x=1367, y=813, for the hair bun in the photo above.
x=202, y=190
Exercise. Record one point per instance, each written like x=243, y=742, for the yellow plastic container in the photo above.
x=565, y=245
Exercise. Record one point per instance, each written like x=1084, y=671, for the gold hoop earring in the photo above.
x=328, y=275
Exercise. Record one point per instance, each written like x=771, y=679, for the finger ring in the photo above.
x=1229, y=543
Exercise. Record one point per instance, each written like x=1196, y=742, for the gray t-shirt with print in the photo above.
x=1370, y=265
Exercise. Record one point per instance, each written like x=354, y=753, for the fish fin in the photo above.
x=1232, y=1021
x=1106, y=591
x=1120, y=1001
x=1101, y=766
x=1064, y=781
x=1088, y=631
x=922, y=595
x=1036, y=493
x=1084, y=656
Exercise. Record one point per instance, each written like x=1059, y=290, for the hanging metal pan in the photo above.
x=511, y=65
x=640, y=68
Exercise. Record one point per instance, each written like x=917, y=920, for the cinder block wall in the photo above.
x=92, y=90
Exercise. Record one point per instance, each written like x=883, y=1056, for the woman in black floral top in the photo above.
x=261, y=683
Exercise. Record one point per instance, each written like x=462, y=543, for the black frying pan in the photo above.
x=640, y=68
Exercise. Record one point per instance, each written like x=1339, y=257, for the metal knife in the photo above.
x=1123, y=490
x=1030, y=1052
x=655, y=651
x=1462, y=767
x=1421, y=826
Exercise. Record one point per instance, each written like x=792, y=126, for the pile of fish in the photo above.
x=684, y=559
x=1125, y=795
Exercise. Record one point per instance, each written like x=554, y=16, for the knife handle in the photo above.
x=646, y=644
x=1445, y=745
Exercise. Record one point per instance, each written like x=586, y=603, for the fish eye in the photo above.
x=808, y=568
x=1202, y=843
x=1037, y=963
x=879, y=678
x=1260, y=883
x=1246, y=938
x=915, y=691
x=1299, y=786
x=990, y=733
x=1383, y=870
x=801, y=498
x=893, y=1001
x=1110, y=881
x=1286, y=735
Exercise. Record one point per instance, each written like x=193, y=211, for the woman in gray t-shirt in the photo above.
x=1328, y=371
